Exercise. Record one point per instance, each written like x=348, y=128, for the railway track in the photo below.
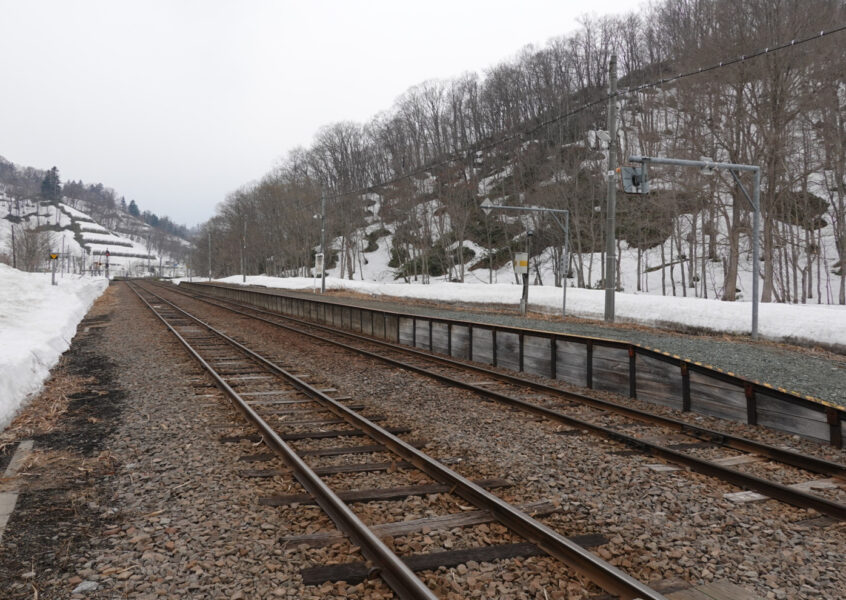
x=266, y=392
x=733, y=459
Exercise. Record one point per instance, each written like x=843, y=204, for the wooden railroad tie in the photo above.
x=373, y=494
x=358, y=571
x=301, y=409
x=370, y=448
x=371, y=467
x=397, y=528
x=309, y=435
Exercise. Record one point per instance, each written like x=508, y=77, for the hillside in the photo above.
x=84, y=225
x=403, y=191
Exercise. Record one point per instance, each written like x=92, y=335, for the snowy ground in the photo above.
x=37, y=322
x=810, y=323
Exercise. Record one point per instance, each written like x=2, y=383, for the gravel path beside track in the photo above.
x=808, y=371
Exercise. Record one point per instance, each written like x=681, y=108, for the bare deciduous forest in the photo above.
x=420, y=169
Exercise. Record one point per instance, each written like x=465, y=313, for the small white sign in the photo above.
x=521, y=263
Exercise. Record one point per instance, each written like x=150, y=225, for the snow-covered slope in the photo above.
x=134, y=247
x=37, y=322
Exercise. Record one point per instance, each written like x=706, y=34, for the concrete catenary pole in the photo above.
x=243, y=252
x=756, y=263
x=323, y=242
x=610, y=226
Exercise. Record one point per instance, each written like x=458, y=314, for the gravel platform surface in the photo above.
x=132, y=493
x=808, y=371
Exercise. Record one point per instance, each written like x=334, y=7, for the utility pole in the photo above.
x=323, y=242
x=243, y=251
x=610, y=226
x=209, y=253
x=524, y=301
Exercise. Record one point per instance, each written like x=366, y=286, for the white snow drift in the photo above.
x=37, y=322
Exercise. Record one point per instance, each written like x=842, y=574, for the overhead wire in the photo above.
x=566, y=115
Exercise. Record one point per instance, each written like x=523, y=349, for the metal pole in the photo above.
x=565, y=268
x=243, y=250
x=524, y=301
x=754, y=201
x=756, y=264
x=610, y=226
x=209, y=253
x=53, y=281
x=564, y=228
x=323, y=242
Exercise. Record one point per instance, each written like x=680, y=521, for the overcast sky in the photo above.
x=177, y=103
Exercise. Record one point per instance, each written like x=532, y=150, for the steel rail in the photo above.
x=605, y=575
x=743, y=480
x=788, y=457
x=399, y=577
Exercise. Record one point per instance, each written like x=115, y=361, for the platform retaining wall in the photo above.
x=595, y=363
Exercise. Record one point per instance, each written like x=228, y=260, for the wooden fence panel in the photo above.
x=710, y=396
x=391, y=328
x=571, y=362
x=406, y=331
x=780, y=414
x=440, y=337
x=611, y=369
x=482, y=341
x=507, y=350
x=536, y=355
x=422, y=335
x=367, y=322
x=659, y=382
x=460, y=341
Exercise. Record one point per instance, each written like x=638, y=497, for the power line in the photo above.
x=566, y=115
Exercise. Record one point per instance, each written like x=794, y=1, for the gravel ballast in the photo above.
x=661, y=525
x=155, y=504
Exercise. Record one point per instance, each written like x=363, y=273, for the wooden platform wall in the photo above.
x=595, y=363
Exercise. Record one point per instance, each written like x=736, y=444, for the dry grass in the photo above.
x=48, y=469
x=42, y=414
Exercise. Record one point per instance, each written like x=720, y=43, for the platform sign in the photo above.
x=53, y=257
x=521, y=263
x=318, y=262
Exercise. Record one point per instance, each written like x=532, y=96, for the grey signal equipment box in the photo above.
x=634, y=180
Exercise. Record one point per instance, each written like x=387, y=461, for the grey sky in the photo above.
x=177, y=103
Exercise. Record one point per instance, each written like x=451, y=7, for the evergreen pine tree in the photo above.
x=51, y=186
x=133, y=209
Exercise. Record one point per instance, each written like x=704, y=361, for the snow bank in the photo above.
x=37, y=322
x=818, y=324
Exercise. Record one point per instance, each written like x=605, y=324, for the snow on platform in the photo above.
x=37, y=322
x=808, y=323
